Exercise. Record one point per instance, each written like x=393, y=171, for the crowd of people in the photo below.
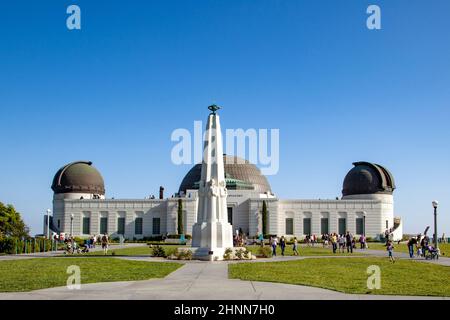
x=74, y=247
x=421, y=246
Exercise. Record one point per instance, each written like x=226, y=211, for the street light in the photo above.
x=364, y=224
x=435, y=205
x=48, y=223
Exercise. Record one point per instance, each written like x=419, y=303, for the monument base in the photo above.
x=211, y=239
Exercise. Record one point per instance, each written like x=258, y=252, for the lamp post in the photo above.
x=48, y=223
x=435, y=205
x=364, y=224
x=71, y=225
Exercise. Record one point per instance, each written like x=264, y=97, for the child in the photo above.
x=390, y=249
x=419, y=252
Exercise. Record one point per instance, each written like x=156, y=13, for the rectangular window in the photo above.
x=138, y=226
x=342, y=225
x=289, y=226
x=156, y=226
x=86, y=225
x=324, y=226
x=359, y=225
x=230, y=215
x=307, y=226
x=121, y=226
x=103, y=225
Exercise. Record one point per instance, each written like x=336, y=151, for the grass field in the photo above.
x=317, y=250
x=33, y=274
x=145, y=251
x=403, y=277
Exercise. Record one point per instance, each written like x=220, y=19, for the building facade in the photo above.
x=81, y=208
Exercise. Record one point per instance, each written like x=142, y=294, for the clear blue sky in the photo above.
x=113, y=93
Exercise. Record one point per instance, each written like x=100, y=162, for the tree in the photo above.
x=264, y=218
x=11, y=223
x=180, y=217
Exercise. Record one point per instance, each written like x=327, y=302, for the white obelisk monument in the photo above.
x=212, y=234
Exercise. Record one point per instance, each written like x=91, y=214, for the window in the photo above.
x=86, y=225
x=121, y=226
x=156, y=226
x=289, y=226
x=359, y=225
x=342, y=224
x=103, y=225
x=324, y=226
x=307, y=226
x=230, y=215
x=138, y=226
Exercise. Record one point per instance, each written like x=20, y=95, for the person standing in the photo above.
x=412, y=243
x=334, y=242
x=282, y=245
x=105, y=243
x=349, y=239
x=295, y=247
x=274, y=246
x=362, y=241
x=341, y=243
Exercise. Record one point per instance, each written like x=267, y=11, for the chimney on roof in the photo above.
x=161, y=193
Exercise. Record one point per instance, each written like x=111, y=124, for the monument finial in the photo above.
x=213, y=108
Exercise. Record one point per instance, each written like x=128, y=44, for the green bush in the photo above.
x=184, y=255
x=265, y=252
x=178, y=236
x=158, y=251
x=227, y=254
x=7, y=245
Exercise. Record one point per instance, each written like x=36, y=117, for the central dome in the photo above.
x=239, y=173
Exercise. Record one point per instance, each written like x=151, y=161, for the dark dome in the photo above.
x=368, y=178
x=239, y=173
x=78, y=177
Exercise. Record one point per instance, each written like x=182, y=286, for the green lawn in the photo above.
x=444, y=247
x=317, y=250
x=134, y=251
x=403, y=277
x=33, y=274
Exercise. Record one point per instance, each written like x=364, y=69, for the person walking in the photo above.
x=390, y=250
x=349, y=239
x=282, y=245
x=295, y=247
x=274, y=246
x=105, y=243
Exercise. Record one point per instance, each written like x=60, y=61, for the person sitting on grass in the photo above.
x=390, y=250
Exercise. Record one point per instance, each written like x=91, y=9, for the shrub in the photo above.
x=158, y=251
x=227, y=255
x=184, y=255
x=7, y=245
x=178, y=236
x=265, y=252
